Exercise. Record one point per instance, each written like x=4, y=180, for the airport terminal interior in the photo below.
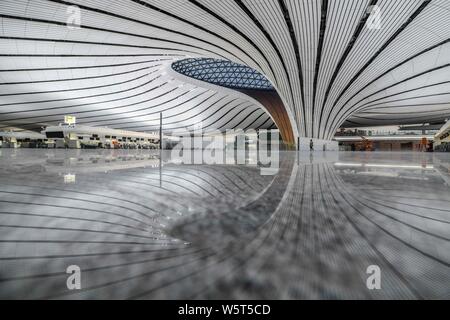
x=232, y=149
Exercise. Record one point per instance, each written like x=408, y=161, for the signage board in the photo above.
x=70, y=119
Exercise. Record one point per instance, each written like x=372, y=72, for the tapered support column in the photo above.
x=274, y=105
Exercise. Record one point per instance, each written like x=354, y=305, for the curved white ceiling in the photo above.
x=325, y=62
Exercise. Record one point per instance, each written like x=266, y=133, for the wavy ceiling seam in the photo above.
x=376, y=38
x=340, y=28
x=397, y=52
x=61, y=34
x=405, y=119
x=223, y=108
x=414, y=109
x=87, y=101
x=207, y=21
x=91, y=105
x=405, y=87
x=177, y=115
x=130, y=110
x=129, y=88
x=435, y=97
x=407, y=109
x=434, y=109
x=274, y=25
x=93, y=79
x=80, y=114
x=410, y=102
x=405, y=115
x=388, y=65
x=219, y=111
x=250, y=118
x=197, y=119
x=222, y=121
x=49, y=62
x=250, y=30
x=52, y=88
x=71, y=74
x=236, y=122
x=237, y=17
x=50, y=106
x=277, y=29
x=14, y=95
x=406, y=76
x=24, y=47
x=281, y=87
x=148, y=15
x=437, y=88
x=163, y=98
x=347, y=21
x=260, y=59
x=423, y=66
x=142, y=27
x=263, y=123
x=355, y=62
x=306, y=26
x=298, y=73
x=334, y=111
x=72, y=87
x=390, y=79
x=69, y=67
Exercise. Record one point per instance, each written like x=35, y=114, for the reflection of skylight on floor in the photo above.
x=223, y=73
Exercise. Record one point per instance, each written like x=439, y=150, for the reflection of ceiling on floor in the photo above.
x=327, y=59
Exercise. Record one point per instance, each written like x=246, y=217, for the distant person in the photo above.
x=311, y=145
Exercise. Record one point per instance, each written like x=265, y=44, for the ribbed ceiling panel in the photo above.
x=327, y=65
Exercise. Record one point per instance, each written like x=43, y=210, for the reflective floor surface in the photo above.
x=142, y=227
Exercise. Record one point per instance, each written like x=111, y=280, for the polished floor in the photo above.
x=142, y=227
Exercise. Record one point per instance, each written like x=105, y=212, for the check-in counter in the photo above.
x=75, y=137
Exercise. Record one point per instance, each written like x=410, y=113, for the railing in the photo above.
x=385, y=133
